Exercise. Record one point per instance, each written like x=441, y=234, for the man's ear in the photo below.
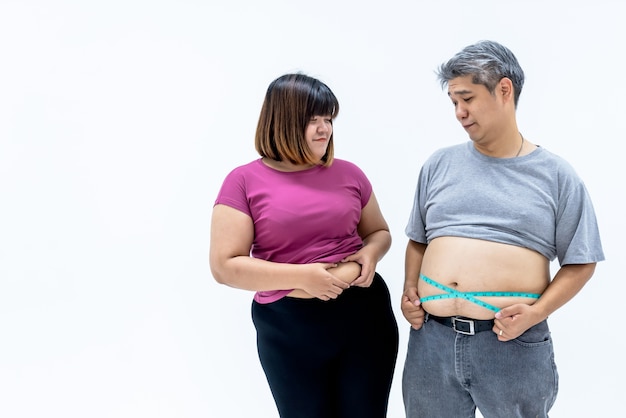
x=505, y=88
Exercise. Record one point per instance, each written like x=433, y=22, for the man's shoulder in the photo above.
x=447, y=152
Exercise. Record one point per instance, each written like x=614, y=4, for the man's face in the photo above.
x=478, y=110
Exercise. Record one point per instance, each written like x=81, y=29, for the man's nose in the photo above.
x=460, y=111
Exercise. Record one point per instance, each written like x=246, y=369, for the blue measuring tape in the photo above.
x=470, y=296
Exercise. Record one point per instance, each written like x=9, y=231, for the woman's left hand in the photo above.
x=368, y=268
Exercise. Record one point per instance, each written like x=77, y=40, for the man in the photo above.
x=488, y=217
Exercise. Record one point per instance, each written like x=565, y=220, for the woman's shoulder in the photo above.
x=341, y=163
x=249, y=167
x=344, y=166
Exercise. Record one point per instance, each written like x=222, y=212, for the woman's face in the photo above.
x=317, y=134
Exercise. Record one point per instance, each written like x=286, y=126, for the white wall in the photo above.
x=119, y=120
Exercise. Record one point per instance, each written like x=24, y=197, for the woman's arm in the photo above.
x=374, y=232
x=232, y=233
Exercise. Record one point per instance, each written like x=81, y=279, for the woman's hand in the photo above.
x=368, y=267
x=320, y=282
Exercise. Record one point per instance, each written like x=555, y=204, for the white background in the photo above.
x=120, y=119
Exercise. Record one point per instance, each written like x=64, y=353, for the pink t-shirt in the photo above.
x=299, y=217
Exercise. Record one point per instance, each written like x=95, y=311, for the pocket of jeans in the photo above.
x=536, y=336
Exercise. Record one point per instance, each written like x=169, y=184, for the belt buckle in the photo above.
x=469, y=322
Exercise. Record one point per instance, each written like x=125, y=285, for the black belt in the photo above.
x=464, y=325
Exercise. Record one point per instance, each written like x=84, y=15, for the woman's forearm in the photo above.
x=248, y=273
x=378, y=243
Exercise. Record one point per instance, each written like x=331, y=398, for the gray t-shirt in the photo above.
x=535, y=201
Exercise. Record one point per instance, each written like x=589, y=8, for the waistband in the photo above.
x=463, y=325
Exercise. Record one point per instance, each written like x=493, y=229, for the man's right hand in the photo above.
x=412, y=308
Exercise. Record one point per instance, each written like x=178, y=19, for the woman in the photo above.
x=305, y=232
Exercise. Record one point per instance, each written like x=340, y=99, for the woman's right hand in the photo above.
x=320, y=282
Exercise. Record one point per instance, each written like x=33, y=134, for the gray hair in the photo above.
x=487, y=62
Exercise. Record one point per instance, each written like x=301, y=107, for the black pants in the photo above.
x=329, y=359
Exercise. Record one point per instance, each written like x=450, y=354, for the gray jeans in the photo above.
x=449, y=375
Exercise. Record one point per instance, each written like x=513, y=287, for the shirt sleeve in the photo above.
x=233, y=192
x=416, y=226
x=577, y=232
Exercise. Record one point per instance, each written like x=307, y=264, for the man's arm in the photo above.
x=410, y=305
x=516, y=319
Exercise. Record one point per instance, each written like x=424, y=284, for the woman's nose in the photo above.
x=323, y=127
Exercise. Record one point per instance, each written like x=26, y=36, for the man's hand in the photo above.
x=514, y=320
x=412, y=308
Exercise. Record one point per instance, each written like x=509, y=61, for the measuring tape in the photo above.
x=471, y=296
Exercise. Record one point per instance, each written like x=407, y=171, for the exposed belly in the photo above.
x=471, y=265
